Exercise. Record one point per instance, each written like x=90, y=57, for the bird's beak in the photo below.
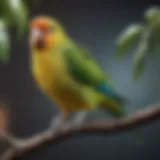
x=37, y=38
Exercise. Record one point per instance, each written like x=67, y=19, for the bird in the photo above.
x=68, y=74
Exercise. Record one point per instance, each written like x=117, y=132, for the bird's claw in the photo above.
x=79, y=120
x=56, y=124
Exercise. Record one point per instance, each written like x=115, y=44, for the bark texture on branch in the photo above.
x=34, y=143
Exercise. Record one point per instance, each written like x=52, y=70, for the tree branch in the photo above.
x=24, y=146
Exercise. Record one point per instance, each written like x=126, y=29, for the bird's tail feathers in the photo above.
x=117, y=109
x=113, y=106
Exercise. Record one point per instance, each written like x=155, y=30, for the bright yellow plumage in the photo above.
x=50, y=74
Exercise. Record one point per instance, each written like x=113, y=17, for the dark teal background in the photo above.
x=95, y=23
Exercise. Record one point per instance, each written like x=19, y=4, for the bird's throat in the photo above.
x=40, y=44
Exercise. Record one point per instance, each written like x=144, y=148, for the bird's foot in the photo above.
x=79, y=120
x=57, y=122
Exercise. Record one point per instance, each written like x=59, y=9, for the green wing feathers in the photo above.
x=86, y=71
x=83, y=67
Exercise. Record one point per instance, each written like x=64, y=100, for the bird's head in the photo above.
x=45, y=33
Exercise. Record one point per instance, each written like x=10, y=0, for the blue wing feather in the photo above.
x=107, y=90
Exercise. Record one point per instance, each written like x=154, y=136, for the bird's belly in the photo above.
x=59, y=88
x=48, y=72
x=53, y=79
x=44, y=82
x=68, y=98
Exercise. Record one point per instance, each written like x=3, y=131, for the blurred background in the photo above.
x=95, y=23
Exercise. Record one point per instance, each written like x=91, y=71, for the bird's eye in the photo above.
x=52, y=29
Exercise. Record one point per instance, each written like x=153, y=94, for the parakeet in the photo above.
x=68, y=74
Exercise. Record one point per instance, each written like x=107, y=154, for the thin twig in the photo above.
x=98, y=126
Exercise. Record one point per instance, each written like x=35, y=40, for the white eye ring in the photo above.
x=36, y=33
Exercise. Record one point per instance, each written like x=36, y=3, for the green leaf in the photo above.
x=157, y=30
x=127, y=38
x=141, y=52
x=15, y=13
x=153, y=45
x=4, y=43
x=139, y=67
x=152, y=14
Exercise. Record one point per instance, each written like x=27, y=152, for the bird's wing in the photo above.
x=85, y=70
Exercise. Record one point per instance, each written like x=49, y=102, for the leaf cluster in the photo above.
x=145, y=36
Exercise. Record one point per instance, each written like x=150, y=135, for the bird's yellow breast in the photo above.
x=48, y=70
x=51, y=76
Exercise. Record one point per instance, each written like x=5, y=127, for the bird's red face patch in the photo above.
x=41, y=24
x=38, y=32
x=45, y=33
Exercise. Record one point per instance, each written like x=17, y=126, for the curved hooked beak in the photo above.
x=37, y=38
